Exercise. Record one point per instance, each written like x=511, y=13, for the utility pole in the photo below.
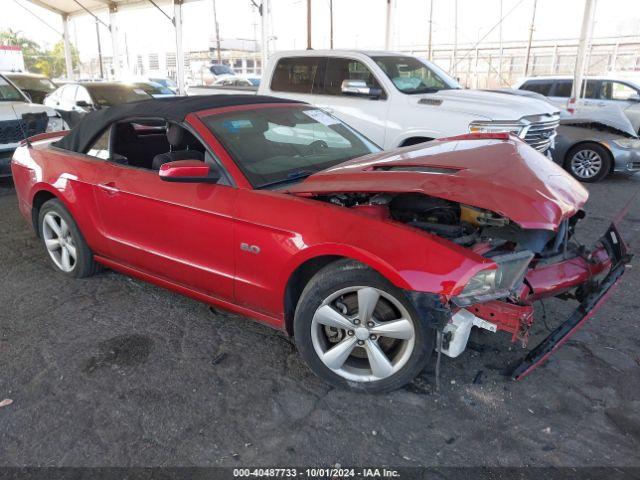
x=217, y=27
x=430, y=28
x=531, y=28
x=387, y=30
x=99, y=49
x=308, y=24
x=331, y=24
x=585, y=38
x=501, y=49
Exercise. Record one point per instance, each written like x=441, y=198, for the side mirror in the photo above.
x=634, y=97
x=188, y=171
x=83, y=104
x=359, y=88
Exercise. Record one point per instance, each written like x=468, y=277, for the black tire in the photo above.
x=84, y=265
x=344, y=274
x=589, y=149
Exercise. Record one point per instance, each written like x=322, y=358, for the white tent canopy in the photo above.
x=70, y=8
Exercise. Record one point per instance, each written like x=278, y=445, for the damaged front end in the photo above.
x=505, y=203
x=527, y=265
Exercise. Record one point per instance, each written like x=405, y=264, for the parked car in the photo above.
x=75, y=100
x=154, y=89
x=19, y=119
x=34, y=85
x=369, y=259
x=599, y=92
x=234, y=81
x=397, y=99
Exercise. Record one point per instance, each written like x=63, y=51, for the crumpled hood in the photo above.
x=494, y=172
x=489, y=105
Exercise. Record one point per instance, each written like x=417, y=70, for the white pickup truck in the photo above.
x=19, y=118
x=397, y=99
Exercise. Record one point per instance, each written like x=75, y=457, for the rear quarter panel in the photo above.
x=69, y=177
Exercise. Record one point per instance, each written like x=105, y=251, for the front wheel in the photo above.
x=588, y=162
x=356, y=330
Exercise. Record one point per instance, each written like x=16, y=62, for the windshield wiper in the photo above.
x=291, y=177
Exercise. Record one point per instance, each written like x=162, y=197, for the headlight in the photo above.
x=495, y=283
x=496, y=127
x=627, y=142
x=55, y=124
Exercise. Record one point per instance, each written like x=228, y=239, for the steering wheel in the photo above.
x=318, y=146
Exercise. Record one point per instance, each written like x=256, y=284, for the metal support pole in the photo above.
x=99, y=49
x=429, y=52
x=308, y=24
x=217, y=27
x=388, y=26
x=531, y=28
x=177, y=20
x=264, y=33
x=585, y=34
x=113, y=27
x=68, y=63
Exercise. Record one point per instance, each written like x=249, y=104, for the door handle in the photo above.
x=109, y=188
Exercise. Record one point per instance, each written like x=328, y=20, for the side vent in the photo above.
x=416, y=168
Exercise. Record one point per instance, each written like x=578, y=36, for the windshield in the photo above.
x=8, y=92
x=410, y=75
x=36, y=84
x=154, y=88
x=109, y=95
x=221, y=70
x=281, y=145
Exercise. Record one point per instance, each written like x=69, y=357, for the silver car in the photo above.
x=593, y=146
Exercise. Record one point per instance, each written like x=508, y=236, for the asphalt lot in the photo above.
x=110, y=371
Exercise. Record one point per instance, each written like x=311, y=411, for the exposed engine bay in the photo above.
x=483, y=231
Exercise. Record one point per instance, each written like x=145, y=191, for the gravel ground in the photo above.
x=110, y=371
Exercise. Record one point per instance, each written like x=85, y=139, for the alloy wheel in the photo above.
x=363, y=334
x=59, y=241
x=586, y=163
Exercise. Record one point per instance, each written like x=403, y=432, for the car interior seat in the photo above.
x=183, y=146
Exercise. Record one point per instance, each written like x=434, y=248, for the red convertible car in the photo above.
x=275, y=209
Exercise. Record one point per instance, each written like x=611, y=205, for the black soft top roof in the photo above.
x=172, y=109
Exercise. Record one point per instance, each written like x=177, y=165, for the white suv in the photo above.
x=397, y=99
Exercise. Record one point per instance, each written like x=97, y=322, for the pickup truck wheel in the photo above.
x=356, y=330
x=588, y=162
x=67, y=250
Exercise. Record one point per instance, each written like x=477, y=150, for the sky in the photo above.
x=357, y=23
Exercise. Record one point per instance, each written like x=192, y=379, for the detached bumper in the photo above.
x=593, y=300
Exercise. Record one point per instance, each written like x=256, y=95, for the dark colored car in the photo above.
x=37, y=87
x=281, y=212
x=74, y=100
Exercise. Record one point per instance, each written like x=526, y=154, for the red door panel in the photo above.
x=180, y=231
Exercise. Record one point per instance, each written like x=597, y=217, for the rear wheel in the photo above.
x=356, y=330
x=67, y=250
x=588, y=162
